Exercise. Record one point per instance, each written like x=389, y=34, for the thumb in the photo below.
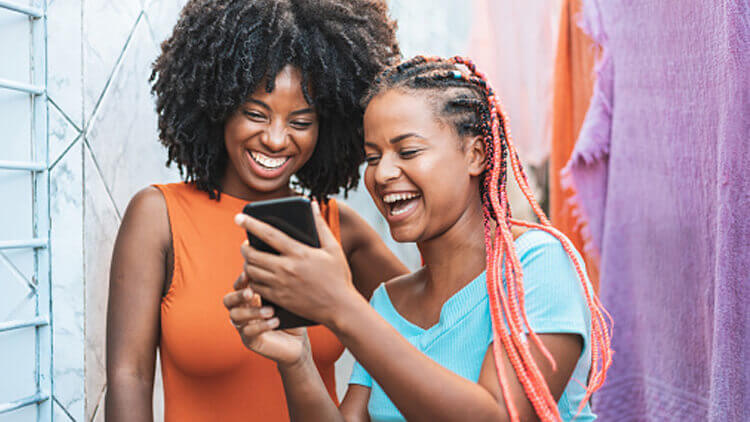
x=327, y=239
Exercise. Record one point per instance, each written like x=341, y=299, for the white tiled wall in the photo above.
x=103, y=147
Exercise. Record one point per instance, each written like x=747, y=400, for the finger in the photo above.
x=259, y=275
x=258, y=327
x=272, y=236
x=237, y=298
x=241, y=281
x=264, y=260
x=327, y=239
x=242, y=316
x=256, y=301
x=263, y=290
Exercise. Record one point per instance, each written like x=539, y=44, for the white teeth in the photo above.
x=401, y=211
x=268, y=162
x=393, y=197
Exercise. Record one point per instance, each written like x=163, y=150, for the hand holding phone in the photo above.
x=293, y=216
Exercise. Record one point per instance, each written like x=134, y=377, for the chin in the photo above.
x=266, y=185
x=404, y=235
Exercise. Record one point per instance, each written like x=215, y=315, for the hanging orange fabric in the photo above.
x=573, y=86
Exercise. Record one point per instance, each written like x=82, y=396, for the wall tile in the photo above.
x=17, y=362
x=107, y=24
x=101, y=223
x=123, y=134
x=158, y=403
x=15, y=121
x=16, y=58
x=64, y=65
x=99, y=412
x=16, y=273
x=66, y=214
x=162, y=17
x=61, y=134
x=58, y=414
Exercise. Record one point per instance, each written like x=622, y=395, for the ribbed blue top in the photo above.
x=554, y=304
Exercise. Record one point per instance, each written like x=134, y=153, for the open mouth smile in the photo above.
x=268, y=162
x=401, y=203
x=266, y=166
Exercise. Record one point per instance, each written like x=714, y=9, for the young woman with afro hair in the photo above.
x=257, y=99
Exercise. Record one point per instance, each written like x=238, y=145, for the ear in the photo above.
x=476, y=157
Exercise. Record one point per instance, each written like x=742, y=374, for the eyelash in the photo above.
x=302, y=125
x=407, y=154
x=256, y=115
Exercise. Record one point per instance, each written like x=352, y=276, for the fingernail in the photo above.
x=266, y=312
x=273, y=322
x=315, y=206
x=239, y=218
x=247, y=294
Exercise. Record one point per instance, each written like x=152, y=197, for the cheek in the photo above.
x=236, y=131
x=369, y=180
x=442, y=191
x=307, y=142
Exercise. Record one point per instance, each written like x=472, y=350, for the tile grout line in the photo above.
x=13, y=269
x=65, y=152
x=98, y=402
x=67, y=413
x=101, y=176
x=115, y=69
x=83, y=260
x=65, y=115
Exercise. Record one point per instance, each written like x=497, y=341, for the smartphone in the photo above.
x=294, y=217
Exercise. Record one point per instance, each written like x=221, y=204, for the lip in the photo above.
x=264, y=172
x=393, y=219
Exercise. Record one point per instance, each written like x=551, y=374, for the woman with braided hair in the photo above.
x=501, y=323
x=249, y=94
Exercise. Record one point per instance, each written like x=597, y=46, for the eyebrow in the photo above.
x=294, y=113
x=400, y=138
x=397, y=139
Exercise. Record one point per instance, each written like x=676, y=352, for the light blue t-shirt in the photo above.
x=555, y=303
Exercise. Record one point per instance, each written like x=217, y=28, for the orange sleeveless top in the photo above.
x=208, y=373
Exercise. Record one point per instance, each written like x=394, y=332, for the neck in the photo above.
x=457, y=256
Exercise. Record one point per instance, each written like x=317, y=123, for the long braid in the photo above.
x=473, y=108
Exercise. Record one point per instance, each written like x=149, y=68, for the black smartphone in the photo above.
x=294, y=217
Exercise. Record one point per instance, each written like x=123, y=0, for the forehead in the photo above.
x=396, y=111
x=287, y=86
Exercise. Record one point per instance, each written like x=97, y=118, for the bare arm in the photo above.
x=369, y=258
x=565, y=348
x=136, y=285
x=354, y=405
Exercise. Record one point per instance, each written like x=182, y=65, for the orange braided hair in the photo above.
x=506, y=301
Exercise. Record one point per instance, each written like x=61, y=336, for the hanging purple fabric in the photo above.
x=662, y=174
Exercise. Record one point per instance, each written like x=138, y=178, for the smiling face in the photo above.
x=422, y=176
x=269, y=138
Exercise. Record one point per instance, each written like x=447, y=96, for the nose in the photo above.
x=386, y=170
x=275, y=137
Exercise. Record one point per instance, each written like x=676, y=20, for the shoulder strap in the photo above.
x=330, y=211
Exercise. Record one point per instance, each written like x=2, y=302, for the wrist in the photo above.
x=304, y=360
x=342, y=319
